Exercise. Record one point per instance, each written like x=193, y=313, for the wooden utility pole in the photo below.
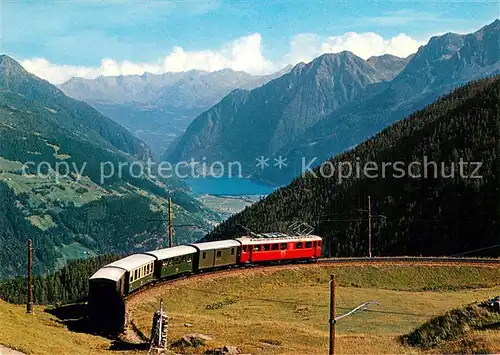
x=29, y=305
x=332, y=315
x=369, y=227
x=498, y=179
x=170, y=225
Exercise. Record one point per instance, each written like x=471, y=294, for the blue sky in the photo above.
x=256, y=36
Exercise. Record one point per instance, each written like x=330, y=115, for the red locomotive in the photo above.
x=278, y=247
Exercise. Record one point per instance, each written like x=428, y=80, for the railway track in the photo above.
x=343, y=261
x=412, y=259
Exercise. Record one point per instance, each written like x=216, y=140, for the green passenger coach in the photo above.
x=173, y=261
x=216, y=254
x=139, y=270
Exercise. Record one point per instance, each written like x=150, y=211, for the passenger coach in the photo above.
x=173, y=261
x=216, y=254
x=109, y=285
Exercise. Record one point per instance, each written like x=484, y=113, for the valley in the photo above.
x=54, y=188
x=227, y=196
x=227, y=206
x=159, y=108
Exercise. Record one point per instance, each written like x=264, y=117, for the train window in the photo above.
x=232, y=251
x=204, y=256
x=131, y=277
x=267, y=247
x=283, y=246
x=275, y=246
x=244, y=248
x=136, y=274
x=256, y=248
x=308, y=244
x=219, y=253
x=298, y=245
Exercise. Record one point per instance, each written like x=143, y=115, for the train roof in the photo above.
x=283, y=238
x=172, y=252
x=132, y=262
x=109, y=273
x=221, y=244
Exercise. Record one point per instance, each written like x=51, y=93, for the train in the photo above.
x=111, y=284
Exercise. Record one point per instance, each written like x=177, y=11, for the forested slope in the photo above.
x=437, y=215
x=53, y=154
x=69, y=284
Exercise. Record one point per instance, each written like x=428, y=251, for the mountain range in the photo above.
x=333, y=103
x=52, y=157
x=250, y=123
x=158, y=107
x=425, y=202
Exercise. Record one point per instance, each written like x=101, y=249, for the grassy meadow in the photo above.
x=284, y=310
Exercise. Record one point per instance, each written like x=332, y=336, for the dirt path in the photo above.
x=7, y=351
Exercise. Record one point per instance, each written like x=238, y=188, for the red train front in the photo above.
x=279, y=246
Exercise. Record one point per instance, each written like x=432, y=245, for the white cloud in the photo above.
x=303, y=48
x=57, y=74
x=368, y=44
x=306, y=46
x=244, y=53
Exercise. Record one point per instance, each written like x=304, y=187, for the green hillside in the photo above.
x=56, y=154
x=436, y=215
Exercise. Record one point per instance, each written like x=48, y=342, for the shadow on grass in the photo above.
x=76, y=318
x=73, y=316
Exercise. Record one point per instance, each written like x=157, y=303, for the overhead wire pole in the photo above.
x=332, y=315
x=369, y=227
x=29, y=304
x=497, y=159
x=333, y=318
x=369, y=219
x=170, y=224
